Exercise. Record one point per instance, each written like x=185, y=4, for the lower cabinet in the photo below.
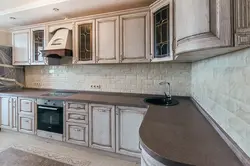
x=77, y=133
x=128, y=121
x=8, y=106
x=26, y=124
x=102, y=127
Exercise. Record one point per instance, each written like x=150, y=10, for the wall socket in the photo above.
x=95, y=86
x=37, y=84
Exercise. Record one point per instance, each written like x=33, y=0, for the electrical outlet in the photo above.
x=94, y=86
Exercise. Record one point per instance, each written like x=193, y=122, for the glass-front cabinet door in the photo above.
x=37, y=45
x=162, y=30
x=85, y=42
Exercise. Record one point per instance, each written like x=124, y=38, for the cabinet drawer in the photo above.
x=77, y=117
x=74, y=106
x=26, y=124
x=77, y=133
x=26, y=106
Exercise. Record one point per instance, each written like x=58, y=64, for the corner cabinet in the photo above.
x=134, y=38
x=27, y=46
x=162, y=31
x=128, y=122
x=85, y=42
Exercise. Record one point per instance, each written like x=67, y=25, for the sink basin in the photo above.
x=161, y=101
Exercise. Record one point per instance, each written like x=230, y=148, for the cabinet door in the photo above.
x=26, y=124
x=5, y=112
x=85, y=42
x=162, y=33
x=37, y=45
x=107, y=40
x=134, y=38
x=13, y=113
x=242, y=22
x=77, y=133
x=26, y=106
x=102, y=127
x=128, y=121
x=203, y=24
x=21, y=47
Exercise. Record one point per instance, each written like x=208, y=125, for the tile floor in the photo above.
x=95, y=157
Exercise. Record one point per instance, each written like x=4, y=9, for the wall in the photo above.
x=5, y=38
x=131, y=78
x=222, y=86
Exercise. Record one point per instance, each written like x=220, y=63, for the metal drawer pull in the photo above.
x=27, y=121
x=80, y=118
x=77, y=130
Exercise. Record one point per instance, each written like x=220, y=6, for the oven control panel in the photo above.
x=53, y=103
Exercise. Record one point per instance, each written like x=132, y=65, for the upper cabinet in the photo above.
x=85, y=42
x=203, y=24
x=134, y=38
x=27, y=46
x=37, y=45
x=21, y=47
x=162, y=31
x=107, y=40
x=242, y=22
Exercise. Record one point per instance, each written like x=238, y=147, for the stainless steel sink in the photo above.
x=161, y=101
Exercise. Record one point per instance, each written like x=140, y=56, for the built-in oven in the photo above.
x=50, y=116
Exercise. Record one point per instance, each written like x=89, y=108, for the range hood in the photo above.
x=60, y=45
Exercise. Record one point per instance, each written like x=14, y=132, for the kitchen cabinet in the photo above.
x=107, y=40
x=242, y=22
x=26, y=106
x=128, y=121
x=8, y=113
x=21, y=47
x=85, y=42
x=162, y=30
x=77, y=133
x=134, y=38
x=37, y=45
x=102, y=127
x=203, y=24
x=26, y=124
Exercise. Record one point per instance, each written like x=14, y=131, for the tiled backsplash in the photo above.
x=222, y=86
x=130, y=78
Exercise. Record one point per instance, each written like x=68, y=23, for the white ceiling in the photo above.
x=37, y=11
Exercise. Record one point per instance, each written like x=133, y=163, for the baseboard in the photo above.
x=243, y=157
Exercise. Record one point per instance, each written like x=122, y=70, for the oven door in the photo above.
x=50, y=119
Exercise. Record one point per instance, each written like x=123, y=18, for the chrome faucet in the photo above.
x=168, y=96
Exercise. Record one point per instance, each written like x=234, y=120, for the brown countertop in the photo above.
x=181, y=135
x=175, y=136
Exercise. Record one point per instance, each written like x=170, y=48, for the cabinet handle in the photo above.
x=80, y=118
x=102, y=110
x=77, y=130
x=27, y=121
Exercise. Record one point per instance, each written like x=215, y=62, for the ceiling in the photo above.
x=36, y=11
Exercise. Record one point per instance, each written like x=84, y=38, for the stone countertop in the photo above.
x=175, y=136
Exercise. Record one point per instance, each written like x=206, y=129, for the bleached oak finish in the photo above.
x=32, y=45
x=26, y=124
x=77, y=59
x=154, y=8
x=134, y=38
x=128, y=122
x=208, y=24
x=5, y=112
x=77, y=133
x=26, y=106
x=21, y=47
x=107, y=40
x=77, y=117
x=78, y=107
x=242, y=22
x=102, y=127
